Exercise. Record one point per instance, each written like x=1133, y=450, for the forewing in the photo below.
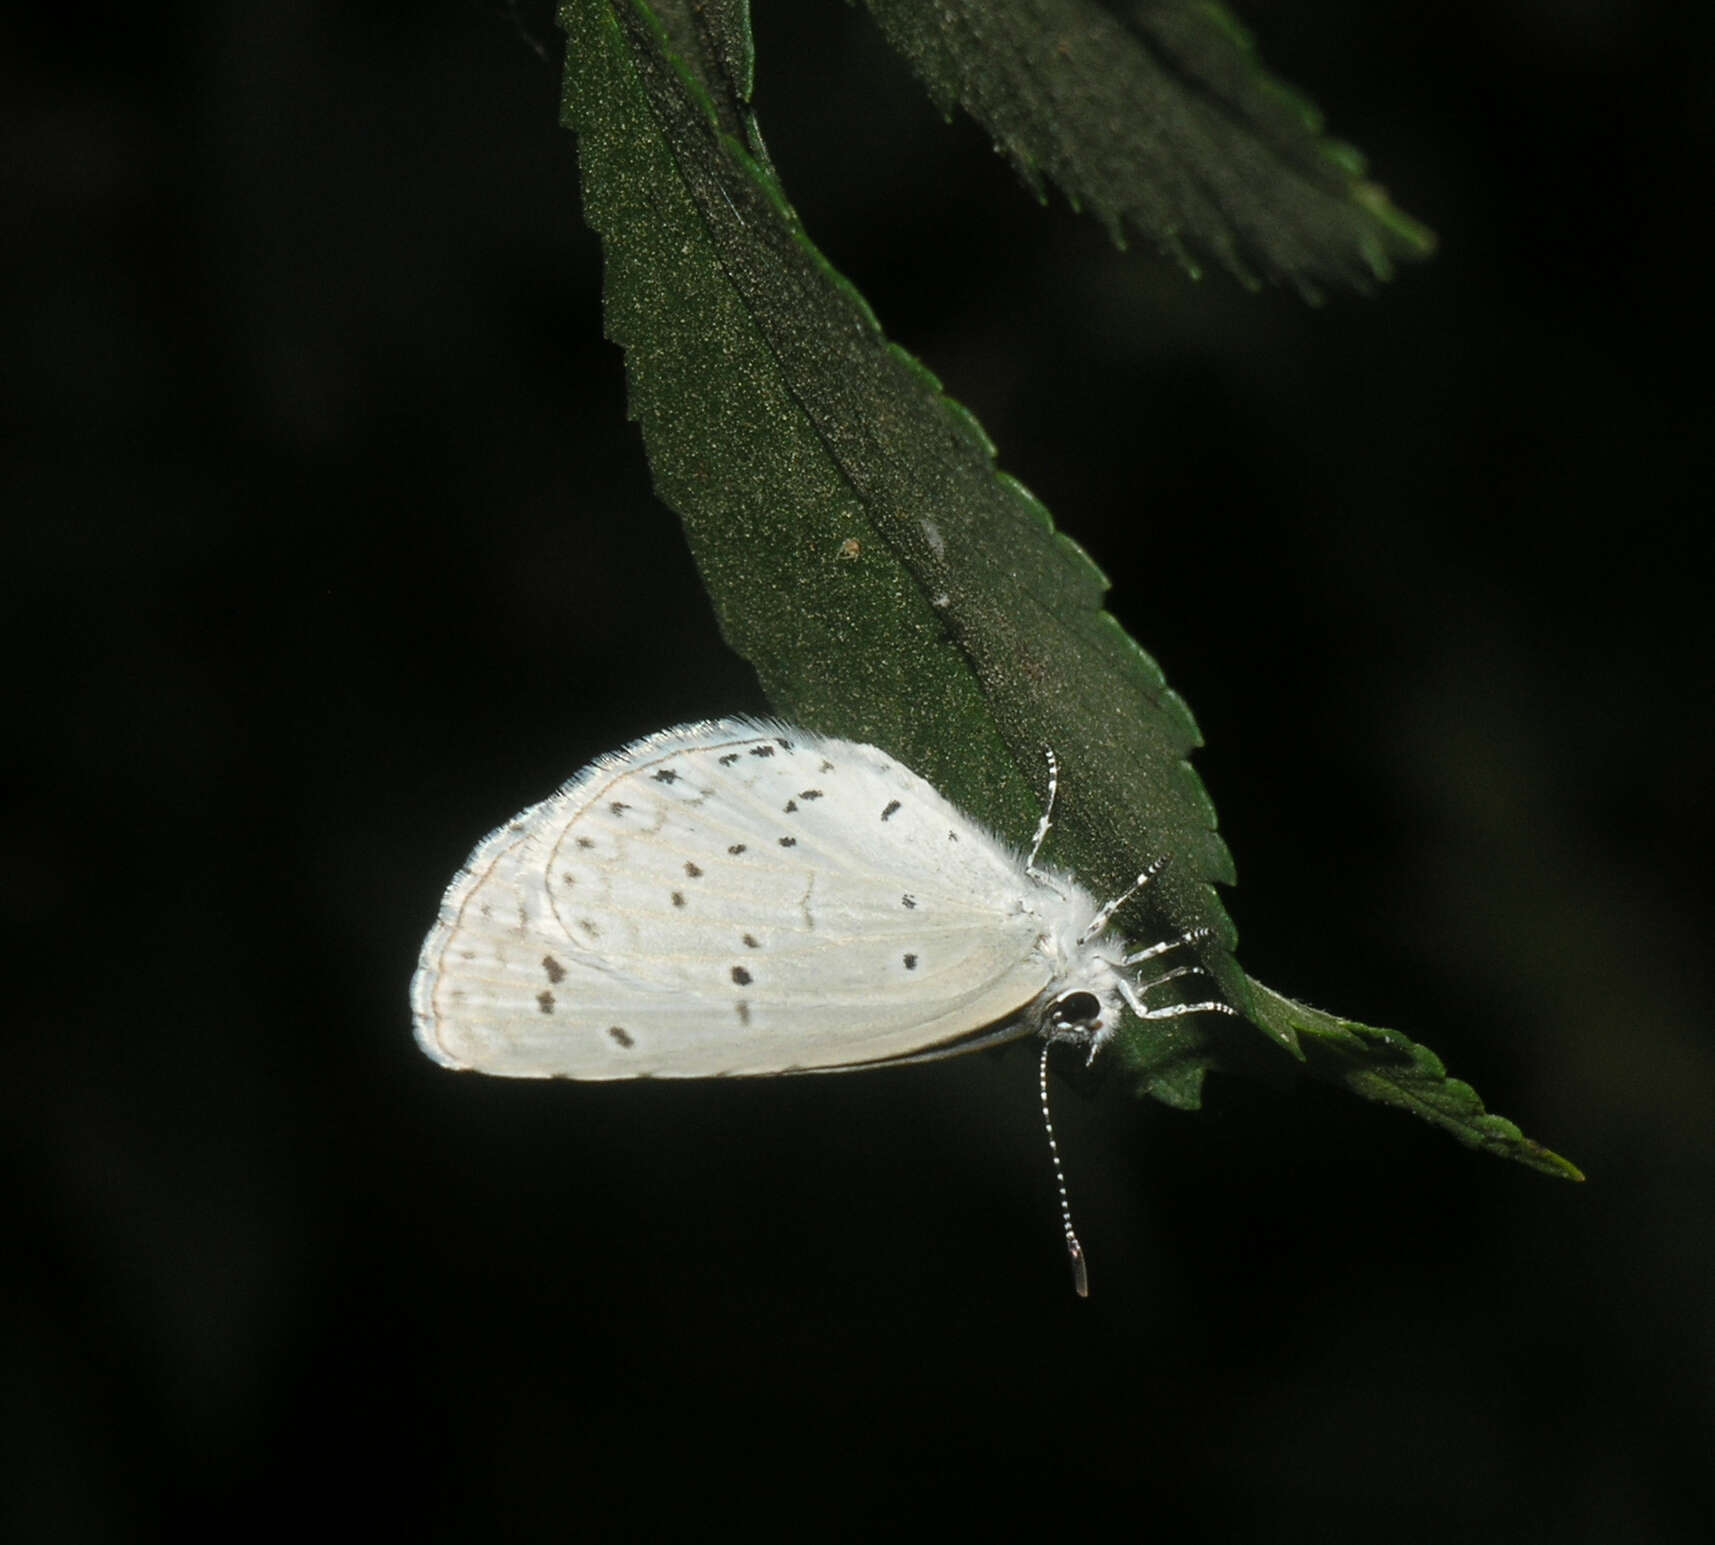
x=727, y=898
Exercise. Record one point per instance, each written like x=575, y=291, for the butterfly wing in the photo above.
x=732, y=897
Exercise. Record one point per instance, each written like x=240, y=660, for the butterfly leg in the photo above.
x=1168, y=1010
x=1134, y=993
x=1195, y=936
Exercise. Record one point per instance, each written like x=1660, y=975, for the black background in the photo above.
x=328, y=547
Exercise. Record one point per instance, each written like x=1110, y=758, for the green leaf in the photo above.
x=863, y=552
x=1385, y=1066
x=860, y=548
x=1157, y=117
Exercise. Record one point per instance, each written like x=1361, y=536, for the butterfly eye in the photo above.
x=1078, y=1009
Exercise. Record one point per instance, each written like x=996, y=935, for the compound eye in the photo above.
x=1077, y=1009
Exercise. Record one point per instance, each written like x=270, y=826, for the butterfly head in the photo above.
x=1098, y=984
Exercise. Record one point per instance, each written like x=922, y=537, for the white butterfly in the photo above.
x=743, y=897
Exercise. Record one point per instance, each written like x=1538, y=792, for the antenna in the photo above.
x=1047, y=812
x=1100, y=920
x=1080, y=1273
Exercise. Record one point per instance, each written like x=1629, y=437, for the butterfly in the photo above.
x=741, y=897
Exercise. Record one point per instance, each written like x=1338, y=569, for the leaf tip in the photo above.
x=1417, y=238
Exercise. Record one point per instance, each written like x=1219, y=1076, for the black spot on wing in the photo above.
x=666, y=775
x=736, y=849
x=728, y=759
x=790, y=807
x=556, y=972
x=910, y=962
x=788, y=842
x=692, y=870
x=618, y=806
x=909, y=902
x=762, y=750
x=809, y=793
x=545, y=1001
x=741, y=977
x=621, y=1036
x=750, y=942
x=678, y=898
x=890, y=809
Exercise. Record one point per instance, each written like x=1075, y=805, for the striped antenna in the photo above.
x=1080, y=1272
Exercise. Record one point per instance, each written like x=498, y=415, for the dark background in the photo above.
x=328, y=547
